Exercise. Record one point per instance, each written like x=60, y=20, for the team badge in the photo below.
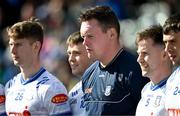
x=107, y=91
x=157, y=101
x=60, y=98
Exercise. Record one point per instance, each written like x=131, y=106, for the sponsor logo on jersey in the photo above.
x=2, y=99
x=174, y=112
x=60, y=98
x=26, y=112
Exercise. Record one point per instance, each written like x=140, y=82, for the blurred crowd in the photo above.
x=60, y=19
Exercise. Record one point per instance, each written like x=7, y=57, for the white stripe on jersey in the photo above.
x=43, y=94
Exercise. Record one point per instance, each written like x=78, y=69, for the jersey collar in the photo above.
x=34, y=77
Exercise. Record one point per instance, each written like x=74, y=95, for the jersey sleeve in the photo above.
x=56, y=100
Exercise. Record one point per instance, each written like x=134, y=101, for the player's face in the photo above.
x=78, y=58
x=95, y=40
x=21, y=51
x=172, y=42
x=149, y=57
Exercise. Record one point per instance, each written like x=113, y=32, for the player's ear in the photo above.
x=37, y=46
x=111, y=33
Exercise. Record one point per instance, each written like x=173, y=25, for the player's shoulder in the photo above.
x=90, y=69
x=13, y=80
x=146, y=87
x=174, y=77
x=176, y=71
x=76, y=89
x=49, y=82
x=48, y=78
x=128, y=54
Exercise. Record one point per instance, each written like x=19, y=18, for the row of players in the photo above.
x=113, y=83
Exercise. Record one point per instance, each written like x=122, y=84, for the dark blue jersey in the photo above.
x=115, y=89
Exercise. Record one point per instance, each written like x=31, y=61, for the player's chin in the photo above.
x=16, y=63
x=90, y=55
x=75, y=72
x=144, y=73
x=19, y=64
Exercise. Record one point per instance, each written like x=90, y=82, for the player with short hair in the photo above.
x=34, y=91
x=171, y=37
x=79, y=62
x=156, y=65
x=113, y=84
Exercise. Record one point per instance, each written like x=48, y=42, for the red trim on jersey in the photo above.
x=2, y=99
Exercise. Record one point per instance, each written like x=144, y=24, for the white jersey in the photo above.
x=41, y=95
x=77, y=101
x=173, y=93
x=152, y=100
x=2, y=101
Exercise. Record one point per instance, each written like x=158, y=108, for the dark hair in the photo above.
x=172, y=24
x=75, y=38
x=154, y=32
x=30, y=29
x=104, y=15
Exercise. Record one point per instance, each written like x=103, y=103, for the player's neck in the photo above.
x=110, y=56
x=161, y=76
x=28, y=72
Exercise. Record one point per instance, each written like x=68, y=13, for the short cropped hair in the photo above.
x=104, y=15
x=31, y=29
x=172, y=24
x=75, y=38
x=154, y=32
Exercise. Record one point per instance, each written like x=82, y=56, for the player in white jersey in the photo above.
x=155, y=65
x=2, y=101
x=79, y=62
x=34, y=91
x=171, y=37
x=43, y=95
